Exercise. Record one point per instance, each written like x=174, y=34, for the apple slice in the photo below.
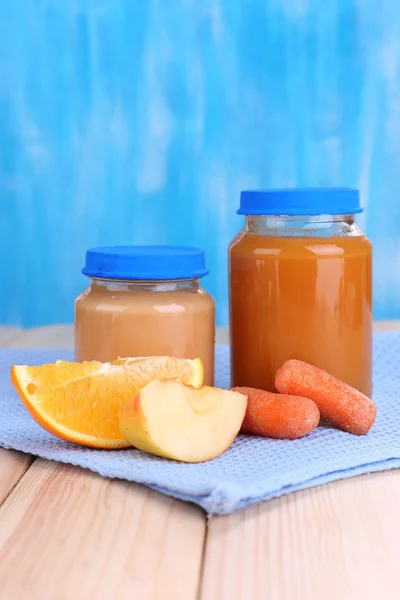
x=173, y=420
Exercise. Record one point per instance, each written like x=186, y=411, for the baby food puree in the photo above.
x=145, y=301
x=300, y=287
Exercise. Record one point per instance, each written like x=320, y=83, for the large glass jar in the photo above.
x=300, y=287
x=145, y=301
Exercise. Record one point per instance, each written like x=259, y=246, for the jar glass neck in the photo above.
x=145, y=286
x=302, y=225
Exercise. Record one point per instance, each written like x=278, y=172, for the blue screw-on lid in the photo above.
x=300, y=201
x=145, y=263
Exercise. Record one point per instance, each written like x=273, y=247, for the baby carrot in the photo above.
x=278, y=415
x=339, y=403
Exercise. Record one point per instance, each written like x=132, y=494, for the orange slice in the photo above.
x=80, y=402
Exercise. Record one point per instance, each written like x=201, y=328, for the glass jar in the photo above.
x=301, y=287
x=145, y=301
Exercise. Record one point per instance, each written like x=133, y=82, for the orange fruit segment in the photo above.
x=80, y=402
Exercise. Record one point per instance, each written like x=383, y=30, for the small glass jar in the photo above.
x=301, y=287
x=145, y=301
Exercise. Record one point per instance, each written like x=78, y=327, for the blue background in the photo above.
x=140, y=122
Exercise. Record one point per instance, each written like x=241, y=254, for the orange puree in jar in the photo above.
x=300, y=287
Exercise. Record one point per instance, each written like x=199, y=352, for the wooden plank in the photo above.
x=67, y=533
x=336, y=541
x=12, y=467
x=51, y=336
x=7, y=335
x=62, y=336
x=381, y=326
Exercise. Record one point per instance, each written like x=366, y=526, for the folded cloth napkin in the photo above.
x=252, y=470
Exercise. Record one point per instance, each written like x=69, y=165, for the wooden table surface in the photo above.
x=69, y=534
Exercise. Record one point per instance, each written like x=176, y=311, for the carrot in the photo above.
x=339, y=403
x=278, y=415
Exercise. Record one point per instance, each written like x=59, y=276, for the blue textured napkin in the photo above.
x=253, y=469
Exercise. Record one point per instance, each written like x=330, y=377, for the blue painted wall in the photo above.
x=139, y=121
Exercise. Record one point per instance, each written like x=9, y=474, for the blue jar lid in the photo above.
x=300, y=201
x=145, y=263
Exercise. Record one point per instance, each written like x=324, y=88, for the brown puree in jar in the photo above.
x=301, y=297
x=145, y=301
x=123, y=320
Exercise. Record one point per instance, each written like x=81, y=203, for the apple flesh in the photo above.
x=172, y=420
